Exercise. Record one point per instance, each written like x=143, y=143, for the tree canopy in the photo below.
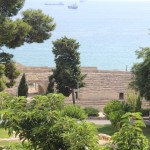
x=67, y=74
x=141, y=73
x=34, y=26
x=10, y=8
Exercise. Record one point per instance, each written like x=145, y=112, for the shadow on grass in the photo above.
x=108, y=129
x=147, y=132
x=105, y=129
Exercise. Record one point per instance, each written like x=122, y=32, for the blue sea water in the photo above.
x=109, y=32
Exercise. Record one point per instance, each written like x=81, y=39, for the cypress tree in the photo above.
x=23, y=87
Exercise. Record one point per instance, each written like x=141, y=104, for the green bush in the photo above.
x=91, y=112
x=74, y=111
x=42, y=123
x=145, y=112
x=130, y=136
x=114, y=110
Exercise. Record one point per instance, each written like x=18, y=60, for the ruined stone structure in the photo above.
x=101, y=85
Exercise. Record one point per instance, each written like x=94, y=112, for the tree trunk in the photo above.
x=73, y=97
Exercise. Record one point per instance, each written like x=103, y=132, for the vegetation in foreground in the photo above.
x=47, y=125
x=44, y=123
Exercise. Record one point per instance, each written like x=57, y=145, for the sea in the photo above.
x=109, y=32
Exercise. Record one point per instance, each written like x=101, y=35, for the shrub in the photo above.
x=130, y=136
x=114, y=110
x=91, y=112
x=74, y=111
x=43, y=124
x=134, y=101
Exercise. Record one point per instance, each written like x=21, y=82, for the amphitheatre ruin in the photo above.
x=101, y=85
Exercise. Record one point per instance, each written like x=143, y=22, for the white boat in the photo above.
x=60, y=3
x=74, y=6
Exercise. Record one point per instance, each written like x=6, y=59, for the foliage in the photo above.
x=141, y=73
x=114, y=110
x=74, y=111
x=33, y=27
x=43, y=123
x=2, y=80
x=13, y=32
x=11, y=71
x=130, y=136
x=23, y=87
x=134, y=101
x=41, y=25
x=50, y=88
x=138, y=104
x=67, y=74
x=18, y=146
x=10, y=8
x=90, y=111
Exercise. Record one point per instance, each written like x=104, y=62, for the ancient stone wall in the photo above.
x=101, y=85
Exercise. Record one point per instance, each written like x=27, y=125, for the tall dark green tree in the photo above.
x=23, y=87
x=141, y=73
x=67, y=74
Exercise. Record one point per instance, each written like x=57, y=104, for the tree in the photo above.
x=34, y=26
x=141, y=73
x=67, y=74
x=23, y=87
x=43, y=123
x=11, y=71
x=130, y=136
x=2, y=81
x=10, y=8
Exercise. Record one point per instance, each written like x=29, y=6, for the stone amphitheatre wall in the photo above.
x=101, y=85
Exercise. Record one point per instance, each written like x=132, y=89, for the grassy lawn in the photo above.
x=3, y=133
x=108, y=129
x=7, y=143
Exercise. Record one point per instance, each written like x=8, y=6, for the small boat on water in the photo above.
x=74, y=6
x=60, y=3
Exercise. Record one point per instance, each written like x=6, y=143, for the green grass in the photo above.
x=7, y=143
x=108, y=129
x=3, y=133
